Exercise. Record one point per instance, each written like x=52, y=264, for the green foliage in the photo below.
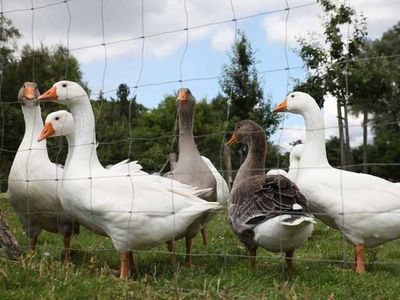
x=42, y=65
x=333, y=151
x=378, y=95
x=327, y=62
x=240, y=84
x=8, y=37
x=153, y=135
x=386, y=149
x=387, y=103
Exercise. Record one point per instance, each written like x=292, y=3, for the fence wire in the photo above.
x=170, y=138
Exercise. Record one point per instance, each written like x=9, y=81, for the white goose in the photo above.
x=294, y=160
x=265, y=210
x=33, y=179
x=136, y=210
x=363, y=207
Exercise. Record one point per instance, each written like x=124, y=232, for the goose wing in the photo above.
x=263, y=197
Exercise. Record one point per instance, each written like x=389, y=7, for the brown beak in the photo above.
x=47, y=131
x=281, y=106
x=233, y=139
x=29, y=93
x=183, y=96
x=49, y=95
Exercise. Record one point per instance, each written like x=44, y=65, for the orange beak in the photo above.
x=233, y=139
x=47, y=131
x=183, y=96
x=281, y=106
x=29, y=93
x=49, y=95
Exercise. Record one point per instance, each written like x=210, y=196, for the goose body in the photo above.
x=265, y=210
x=268, y=211
x=136, y=210
x=33, y=182
x=363, y=207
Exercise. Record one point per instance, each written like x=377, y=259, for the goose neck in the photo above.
x=82, y=144
x=33, y=127
x=186, y=123
x=187, y=144
x=84, y=128
x=254, y=163
x=314, y=153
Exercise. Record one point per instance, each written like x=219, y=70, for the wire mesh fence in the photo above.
x=93, y=179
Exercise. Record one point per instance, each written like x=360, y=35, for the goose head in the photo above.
x=297, y=103
x=247, y=132
x=59, y=123
x=65, y=92
x=28, y=94
x=185, y=99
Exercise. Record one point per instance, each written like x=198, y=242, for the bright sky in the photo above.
x=196, y=55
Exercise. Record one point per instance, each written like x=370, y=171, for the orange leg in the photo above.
x=252, y=257
x=171, y=250
x=124, y=265
x=360, y=265
x=289, y=262
x=67, y=243
x=188, y=259
x=204, y=234
x=33, y=242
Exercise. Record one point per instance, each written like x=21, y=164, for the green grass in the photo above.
x=320, y=270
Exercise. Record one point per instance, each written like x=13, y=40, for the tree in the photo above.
x=122, y=95
x=370, y=82
x=240, y=84
x=385, y=114
x=387, y=49
x=8, y=38
x=328, y=63
x=47, y=66
x=128, y=107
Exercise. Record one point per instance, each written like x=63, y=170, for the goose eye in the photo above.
x=57, y=118
x=292, y=96
x=64, y=85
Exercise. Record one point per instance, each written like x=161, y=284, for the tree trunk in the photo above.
x=341, y=135
x=365, y=141
x=349, y=156
x=228, y=164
